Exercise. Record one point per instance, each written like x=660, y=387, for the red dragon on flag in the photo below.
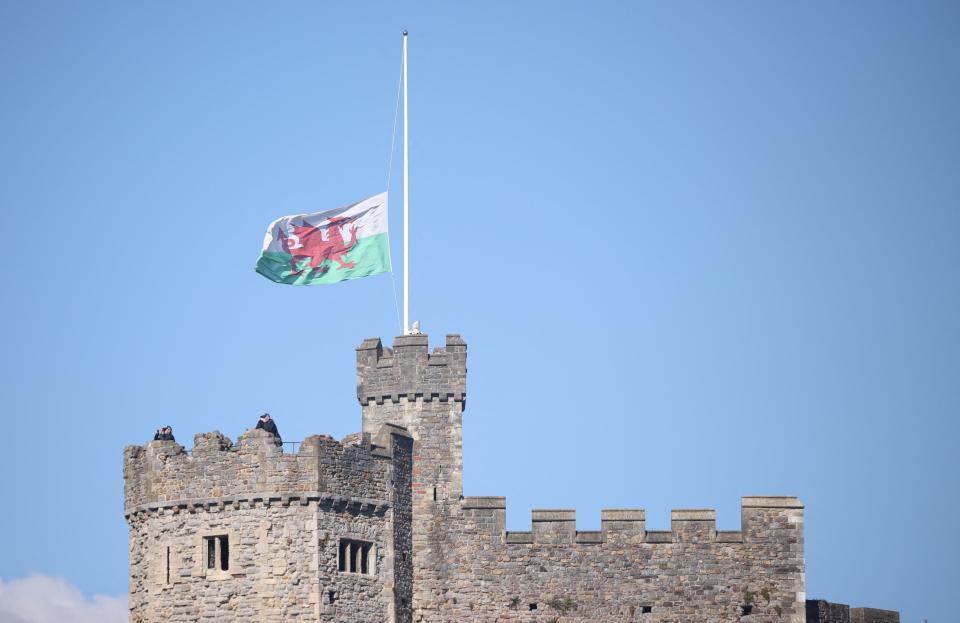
x=319, y=244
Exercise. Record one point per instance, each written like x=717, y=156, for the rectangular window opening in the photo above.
x=168, y=565
x=356, y=557
x=646, y=609
x=217, y=549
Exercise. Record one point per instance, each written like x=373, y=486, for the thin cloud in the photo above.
x=44, y=599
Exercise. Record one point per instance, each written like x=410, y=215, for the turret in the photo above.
x=425, y=392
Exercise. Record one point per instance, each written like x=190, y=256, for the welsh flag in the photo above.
x=327, y=247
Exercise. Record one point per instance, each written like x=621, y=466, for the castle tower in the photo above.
x=468, y=567
x=424, y=392
x=248, y=532
x=375, y=528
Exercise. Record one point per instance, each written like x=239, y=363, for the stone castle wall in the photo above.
x=424, y=392
x=821, y=611
x=873, y=615
x=624, y=572
x=469, y=568
x=283, y=517
x=438, y=557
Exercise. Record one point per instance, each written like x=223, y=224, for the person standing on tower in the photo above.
x=267, y=424
x=164, y=434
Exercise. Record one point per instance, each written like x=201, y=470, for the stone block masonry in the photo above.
x=250, y=533
x=375, y=529
x=469, y=568
x=821, y=611
x=873, y=615
x=624, y=572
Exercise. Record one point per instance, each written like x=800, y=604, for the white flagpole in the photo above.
x=406, y=201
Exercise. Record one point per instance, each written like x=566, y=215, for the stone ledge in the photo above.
x=554, y=514
x=485, y=502
x=367, y=505
x=398, y=397
x=693, y=514
x=598, y=537
x=770, y=501
x=414, y=339
x=623, y=514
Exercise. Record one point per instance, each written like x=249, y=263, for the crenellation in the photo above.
x=204, y=443
x=821, y=611
x=623, y=525
x=484, y=502
x=275, y=519
x=693, y=525
x=554, y=526
x=375, y=527
x=409, y=370
x=771, y=519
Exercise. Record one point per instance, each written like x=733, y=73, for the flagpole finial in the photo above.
x=404, y=33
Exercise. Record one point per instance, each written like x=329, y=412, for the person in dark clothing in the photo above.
x=267, y=424
x=164, y=434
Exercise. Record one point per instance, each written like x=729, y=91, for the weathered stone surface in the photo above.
x=873, y=615
x=437, y=557
x=469, y=568
x=821, y=611
x=283, y=516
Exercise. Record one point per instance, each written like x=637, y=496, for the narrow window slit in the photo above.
x=224, y=553
x=217, y=552
x=364, y=562
x=344, y=553
x=211, y=553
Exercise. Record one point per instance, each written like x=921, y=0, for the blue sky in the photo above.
x=697, y=250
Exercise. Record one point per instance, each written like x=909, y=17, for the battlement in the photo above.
x=374, y=527
x=409, y=371
x=162, y=474
x=762, y=519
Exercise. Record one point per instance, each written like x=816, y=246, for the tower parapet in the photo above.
x=375, y=528
x=424, y=392
x=261, y=534
x=163, y=475
x=762, y=518
x=692, y=572
x=408, y=371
